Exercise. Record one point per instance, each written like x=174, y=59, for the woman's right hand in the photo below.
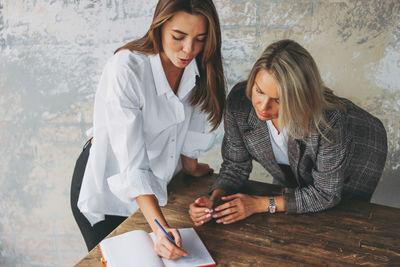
x=200, y=210
x=165, y=248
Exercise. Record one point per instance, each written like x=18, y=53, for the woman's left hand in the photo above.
x=194, y=168
x=238, y=207
x=202, y=169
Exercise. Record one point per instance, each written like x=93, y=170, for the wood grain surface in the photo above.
x=352, y=233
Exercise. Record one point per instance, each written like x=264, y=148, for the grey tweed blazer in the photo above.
x=350, y=163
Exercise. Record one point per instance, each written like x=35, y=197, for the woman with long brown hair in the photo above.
x=151, y=109
x=317, y=146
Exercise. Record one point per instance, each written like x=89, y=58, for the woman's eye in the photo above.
x=276, y=100
x=201, y=40
x=258, y=91
x=177, y=38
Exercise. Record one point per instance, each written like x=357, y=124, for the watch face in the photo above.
x=272, y=209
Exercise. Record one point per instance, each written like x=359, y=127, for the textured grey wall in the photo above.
x=51, y=56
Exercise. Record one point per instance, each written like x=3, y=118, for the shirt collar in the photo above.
x=187, y=83
x=272, y=128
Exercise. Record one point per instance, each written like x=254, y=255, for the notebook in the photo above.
x=136, y=248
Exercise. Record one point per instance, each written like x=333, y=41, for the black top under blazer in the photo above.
x=349, y=163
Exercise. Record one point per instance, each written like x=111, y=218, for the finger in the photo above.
x=230, y=197
x=164, y=252
x=174, y=250
x=200, y=211
x=225, y=206
x=200, y=223
x=199, y=220
x=202, y=201
x=161, y=250
x=230, y=219
x=176, y=236
x=201, y=207
x=225, y=212
x=204, y=218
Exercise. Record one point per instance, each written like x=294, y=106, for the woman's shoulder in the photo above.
x=127, y=60
x=353, y=118
x=357, y=116
x=237, y=99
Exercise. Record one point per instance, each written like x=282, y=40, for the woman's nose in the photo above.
x=265, y=103
x=188, y=46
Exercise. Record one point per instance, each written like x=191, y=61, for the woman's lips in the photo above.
x=265, y=115
x=185, y=61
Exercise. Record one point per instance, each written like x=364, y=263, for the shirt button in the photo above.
x=173, y=140
x=172, y=157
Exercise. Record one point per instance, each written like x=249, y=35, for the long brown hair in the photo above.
x=209, y=92
x=303, y=97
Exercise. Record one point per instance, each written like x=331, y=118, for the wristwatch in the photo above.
x=272, y=206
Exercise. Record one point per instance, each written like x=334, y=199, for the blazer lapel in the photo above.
x=294, y=157
x=258, y=141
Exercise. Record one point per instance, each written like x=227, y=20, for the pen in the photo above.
x=165, y=232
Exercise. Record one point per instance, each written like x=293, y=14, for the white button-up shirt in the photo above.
x=140, y=129
x=279, y=142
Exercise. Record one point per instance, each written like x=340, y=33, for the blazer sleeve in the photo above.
x=237, y=162
x=327, y=174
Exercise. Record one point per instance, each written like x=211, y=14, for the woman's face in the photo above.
x=183, y=37
x=265, y=97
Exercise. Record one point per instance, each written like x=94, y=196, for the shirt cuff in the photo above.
x=196, y=142
x=290, y=200
x=131, y=184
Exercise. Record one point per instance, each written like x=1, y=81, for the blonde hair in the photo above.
x=209, y=92
x=303, y=97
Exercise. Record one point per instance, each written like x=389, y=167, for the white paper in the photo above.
x=130, y=249
x=136, y=248
x=192, y=244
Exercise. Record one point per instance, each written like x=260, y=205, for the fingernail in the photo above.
x=218, y=221
x=224, y=222
x=216, y=209
x=211, y=211
x=207, y=210
x=215, y=216
x=208, y=215
x=202, y=222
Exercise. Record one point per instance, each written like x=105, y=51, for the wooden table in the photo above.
x=352, y=233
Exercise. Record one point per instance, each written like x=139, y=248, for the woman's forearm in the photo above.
x=151, y=210
x=189, y=165
x=216, y=195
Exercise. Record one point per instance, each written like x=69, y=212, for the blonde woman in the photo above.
x=318, y=146
x=150, y=120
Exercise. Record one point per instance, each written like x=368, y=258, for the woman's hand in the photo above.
x=238, y=207
x=200, y=210
x=165, y=248
x=194, y=168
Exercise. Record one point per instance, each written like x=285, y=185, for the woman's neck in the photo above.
x=173, y=73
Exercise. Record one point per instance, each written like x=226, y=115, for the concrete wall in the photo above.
x=51, y=56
